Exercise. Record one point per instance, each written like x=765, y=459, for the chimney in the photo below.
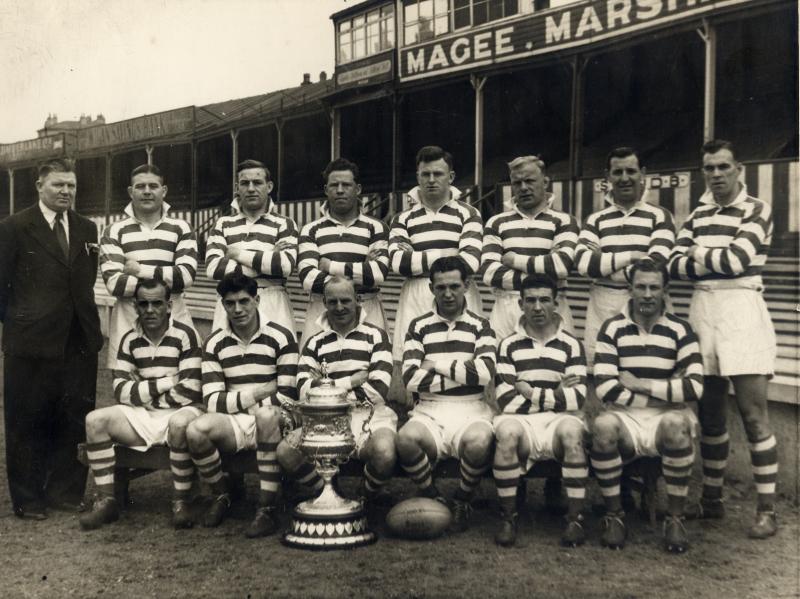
x=100, y=120
x=323, y=76
x=306, y=79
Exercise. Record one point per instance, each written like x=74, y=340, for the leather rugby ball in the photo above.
x=419, y=518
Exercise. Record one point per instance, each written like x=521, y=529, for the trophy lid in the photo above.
x=326, y=392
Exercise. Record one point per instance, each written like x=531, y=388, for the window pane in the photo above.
x=373, y=15
x=440, y=7
x=460, y=4
x=344, y=26
x=358, y=21
x=480, y=14
x=425, y=30
x=387, y=11
x=441, y=25
x=344, y=51
x=495, y=9
x=412, y=34
x=461, y=18
x=411, y=13
x=425, y=9
x=511, y=7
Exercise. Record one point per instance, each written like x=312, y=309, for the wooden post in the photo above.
x=397, y=144
x=576, y=129
x=335, y=117
x=11, y=191
x=279, y=126
x=109, y=158
x=477, y=84
x=235, y=156
x=708, y=34
x=193, y=193
x=149, y=150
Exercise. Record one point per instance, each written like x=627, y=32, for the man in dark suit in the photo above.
x=51, y=336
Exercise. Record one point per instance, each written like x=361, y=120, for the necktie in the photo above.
x=61, y=234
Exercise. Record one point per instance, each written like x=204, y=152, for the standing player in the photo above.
x=439, y=225
x=541, y=387
x=615, y=237
x=359, y=360
x=157, y=388
x=723, y=248
x=448, y=360
x=147, y=245
x=259, y=243
x=532, y=238
x=647, y=368
x=343, y=243
x=249, y=376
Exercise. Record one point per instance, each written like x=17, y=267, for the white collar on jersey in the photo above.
x=520, y=329
x=708, y=197
x=414, y=198
x=324, y=324
x=164, y=209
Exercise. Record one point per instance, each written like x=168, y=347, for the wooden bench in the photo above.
x=131, y=464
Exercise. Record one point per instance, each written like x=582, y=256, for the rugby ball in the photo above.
x=419, y=518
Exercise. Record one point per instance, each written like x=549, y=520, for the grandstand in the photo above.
x=488, y=80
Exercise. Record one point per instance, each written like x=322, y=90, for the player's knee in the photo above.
x=408, y=441
x=289, y=457
x=605, y=432
x=178, y=424
x=96, y=423
x=198, y=432
x=382, y=452
x=476, y=444
x=675, y=430
x=571, y=439
x=507, y=436
x=755, y=424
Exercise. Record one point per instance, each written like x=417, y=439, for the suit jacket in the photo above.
x=41, y=290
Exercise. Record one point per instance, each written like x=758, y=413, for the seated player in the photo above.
x=647, y=368
x=249, y=374
x=157, y=387
x=448, y=360
x=359, y=360
x=541, y=387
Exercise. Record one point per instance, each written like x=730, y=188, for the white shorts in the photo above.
x=244, y=428
x=642, y=424
x=123, y=319
x=735, y=331
x=604, y=302
x=153, y=425
x=448, y=420
x=541, y=431
x=371, y=305
x=274, y=306
x=506, y=313
x=415, y=300
x=384, y=417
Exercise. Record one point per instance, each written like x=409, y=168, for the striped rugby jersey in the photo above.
x=463, y=351
x=167, y=252
x=732, y=241
x=545, y=244
x=455, y=228
x=161, y=375
x=232, y=368
x=624, y=238
x=255, y=238
x=520, y=357
x=365, y=348
x=669, y=356
x=346, y=246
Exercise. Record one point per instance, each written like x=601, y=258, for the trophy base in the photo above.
x=325, y=525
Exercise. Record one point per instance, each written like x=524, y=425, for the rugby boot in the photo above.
x=614, y=530
x=573, y=534
x=507, y=535
x=705, y=509
x=765, y=526
x=217, y=510
x=676, y=539
x=264, y=523
x=461, y=512
x=181, y=514
x=104, y=511
x=554, y=501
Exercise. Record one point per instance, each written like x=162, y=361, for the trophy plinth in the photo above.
x=329, y=521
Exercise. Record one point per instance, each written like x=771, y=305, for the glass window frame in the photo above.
x=365, y=34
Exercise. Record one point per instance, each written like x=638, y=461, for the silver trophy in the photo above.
x=329, y=521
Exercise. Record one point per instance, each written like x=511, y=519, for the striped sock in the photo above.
x=714, y=451
x=676, y=465
x=574, y=476
x=764, y=458
x=269, y=473
x=209, y=465
x=608, y=471
x=102, y=461
x=307, y=476
x=182, y=468
x=469, y=480
x=506, y=479
x=372, y=480
x=419, y=470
